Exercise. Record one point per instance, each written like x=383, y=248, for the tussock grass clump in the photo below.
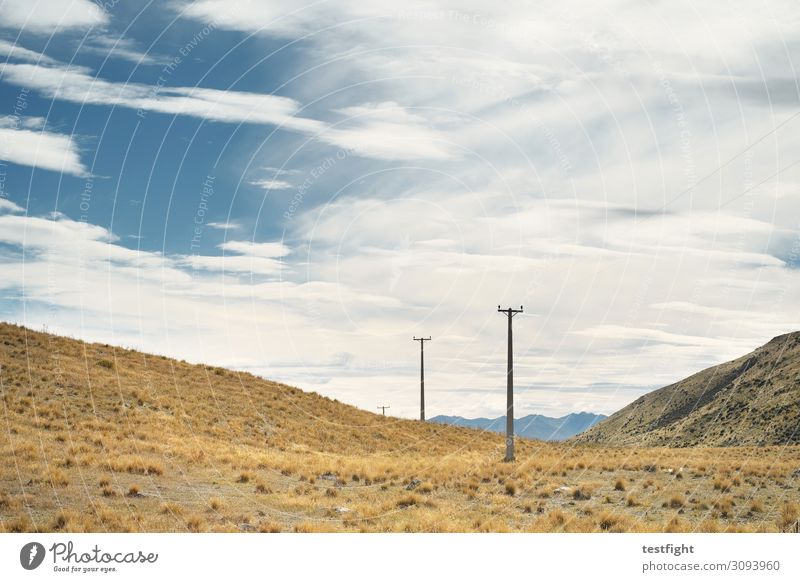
x=612, y=522
x=269, y=527
x=789, y=519
x=195, y=524
x=171, y=508
x=57, y=478
x=724, y=506
x=676, y=501
x=136, y=465
x=263, y=488
x=722, y=484
x=581, y=494
x=677, y=525
x=408, y=501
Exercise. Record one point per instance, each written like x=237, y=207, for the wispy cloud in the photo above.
x=224, y=225
x=7, y=205
x=272, y=184
x=377, y=132
x=267, y=250
x=39, y=149
x=18, y=52
x=49, y=16
x=120, y=48
x=79, y=85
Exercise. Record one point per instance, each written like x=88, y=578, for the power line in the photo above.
x=422, y=341
x=510, y=313
x=383, y=409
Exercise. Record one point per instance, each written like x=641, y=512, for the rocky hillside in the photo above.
x=753, y=400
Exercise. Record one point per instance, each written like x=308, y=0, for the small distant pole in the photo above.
x=383, y=409
x=422, y=341
x=510, y=313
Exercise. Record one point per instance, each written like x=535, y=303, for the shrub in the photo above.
x=619, y=485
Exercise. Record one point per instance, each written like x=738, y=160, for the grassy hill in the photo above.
x=753, y=400
x=99, y=438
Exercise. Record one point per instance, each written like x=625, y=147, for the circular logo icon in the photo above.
x=31, y=555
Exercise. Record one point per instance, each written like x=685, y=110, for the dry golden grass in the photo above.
x=152, y=444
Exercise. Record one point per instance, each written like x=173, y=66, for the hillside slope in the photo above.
x=103, y=439
x=532, y=426
x=753, y=400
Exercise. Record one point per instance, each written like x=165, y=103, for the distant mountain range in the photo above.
x=753, y=400
x=533, y=426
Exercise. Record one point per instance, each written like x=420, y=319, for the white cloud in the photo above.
x=234, y=264
x=78, y=85
x=40, y=149
x=18, y=52
x=378, y=132
x=14, y=122
x=272, y=184
x=224, y=225
x=50, y=16
x=267, y=250
x=120, y=48
x=7, y=205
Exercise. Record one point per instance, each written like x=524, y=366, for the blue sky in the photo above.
x=297, y=190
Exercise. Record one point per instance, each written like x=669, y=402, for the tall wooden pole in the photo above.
x=422, y=341
x=510, y=313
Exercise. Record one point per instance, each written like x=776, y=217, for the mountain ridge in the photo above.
x=535, y=426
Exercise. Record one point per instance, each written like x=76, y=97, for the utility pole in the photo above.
x=383, y=409
x=422, y=341
x=510, y=313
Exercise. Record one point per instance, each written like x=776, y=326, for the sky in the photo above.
x=297, y=190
